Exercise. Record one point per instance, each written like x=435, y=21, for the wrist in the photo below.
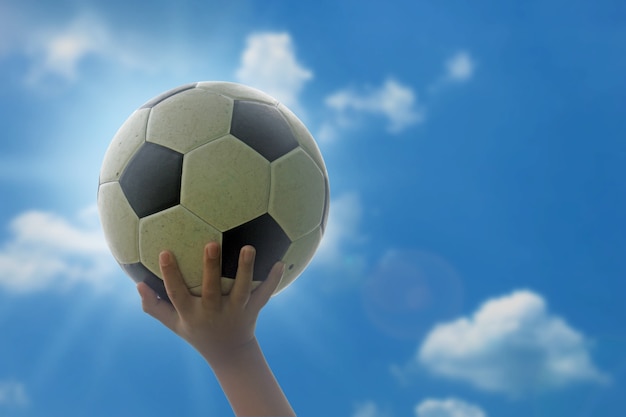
x=232, y=356
x=248, y=381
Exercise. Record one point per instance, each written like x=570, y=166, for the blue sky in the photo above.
x=473, y=263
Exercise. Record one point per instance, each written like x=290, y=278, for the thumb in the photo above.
x=157, y=307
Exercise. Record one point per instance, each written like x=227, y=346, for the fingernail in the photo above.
x=212, y=251
x=164, y=258
x=248, y=253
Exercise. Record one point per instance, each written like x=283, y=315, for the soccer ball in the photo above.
x=212, y=161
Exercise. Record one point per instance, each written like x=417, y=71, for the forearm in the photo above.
x=249, y=383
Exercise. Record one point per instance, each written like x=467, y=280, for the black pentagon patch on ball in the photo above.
x=139, y=273
x=151, y=181
x=268, y=238
x=168, y=94
x=263, y=128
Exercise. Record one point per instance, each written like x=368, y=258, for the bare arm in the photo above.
x=249, y=384
x=222, y=328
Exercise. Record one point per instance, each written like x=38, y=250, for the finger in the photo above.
x=240, y=294
x=157, y=307
x=212, y=276
x=263, y=293
x=175, y=286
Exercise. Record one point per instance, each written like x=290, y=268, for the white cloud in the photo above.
x=369, y=409
x=395, y=102
x=449, y=407
x=339, y=251
x=47, y=251
x=59, y=51
x=460, y=67
x=13, y=393
x=342, y=228
x=511, y=344
x=269, y=63
x=55, y=50
x=392, y=101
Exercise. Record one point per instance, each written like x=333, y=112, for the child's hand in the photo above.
x=221, y=328
x=215, y=324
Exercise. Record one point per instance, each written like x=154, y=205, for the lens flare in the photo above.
x=410, y=291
